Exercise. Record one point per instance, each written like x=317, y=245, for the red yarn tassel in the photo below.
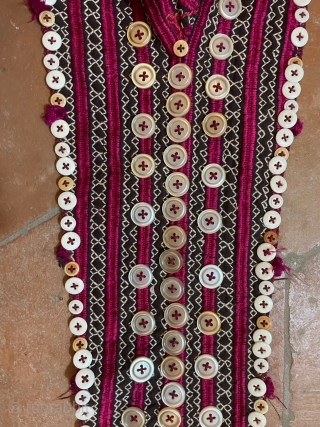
x=297, y=128
x=73, y=388
x=63, y=256
x=36, y=7
x=270, y=390
x=53, y=113
x=279, y=267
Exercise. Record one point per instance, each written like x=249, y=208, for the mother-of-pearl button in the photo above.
x=59, y=129
x=67, y=201
x=143, y=76
x=143, y=323
x=55, y=80
x=142, y=214
x=221, y=46
x=65, y=166
x=172, y=368
x=266, y=252
x=85, y=378
x=261, y=335
x=70, y=241
x=213, y=175
x=208, y=323
x=284, y=137
x=141, y=369
x=302, y=15
x=180, y=76
x=261, y=350
x=82, y=397
x=209, y=221
x=169, y=417
x=214, y=124
x=278, y=184
x=172, y=289
x=143, y=125
x=299, y=37
x=291, y=90
x=140, y=276
x=206, y=366
x=178, y=104
x=133, y=417
x=264, y=270
x=75, y=307
x=142, y=165
x=68, y=223
x=210, y=416
x=175, y=156
x=263, y=304
x=230, y=9
x=174, y=237
x=74, y=285
x=261, y=366
x=78, y=326
x=82, y=359
x=180, y=48
x=84, y=413
x=256, y=419
x=51, y=40
x=294, y=73
x=178, y=129
x=272, y=219
x=257, y=387
x=174, y=209
x=170, y=261
x=210, y=276
x=177, y=184
x=277, y=165
x=173, y=394
x=266, y=287
x=51, y=62
x=173, y=342
x=176, y=315
x=138, y=34
x=217, y=87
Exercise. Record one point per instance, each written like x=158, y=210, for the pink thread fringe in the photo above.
x=297, y=128
x=53, y=113
x=279, y=267
x=36, y=7
x=63, y=256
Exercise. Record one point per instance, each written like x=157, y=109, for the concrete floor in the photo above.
x=36, y=363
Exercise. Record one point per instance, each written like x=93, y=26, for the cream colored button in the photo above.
x=58, y=99
x=139, y=34
x=75, y=307
x=266, y=252
x=214, y=124
x=299, y=37
x=174, y=209
x=284, y=137
x=261, y=406
x=210, y=416
x=140, y=276
x=175, y=156
x=264, y=322
x=261, y=366
x=277, y=165
x=260, y=335
x=210, y=276
x=141, y=369
x=68, y=223
x=74, y=286
x=206, y=366
x=169, y=417
x=178, y=129
x=62, y=149
x=85, y=378
x=257, y=387
x=46, y=18
x=82, y=397
x=51, y=40
x=272, y=220
x=178, y=104
x=143, y=76
x=78, y=326
x=84, y=413
x=142, y=214
x=276, y=201
x=295, y=60
x=133, y=417
x=266, y=288
x=209, y=221
x=142, y=165
x=221, y=46
x=301, y=3
x=287, y=119
x=213, y=175
x=65, y=166
x=291, y=90
x=174, y=237
x=65, y=183
x=172, y=289
x=55, y=80
x=264, y=271
x=173, y=395
x=173, y=343
x=172, y=368
x=67, y=201
x=230, y=9
x=208, y=323
x=217, y=87
x=59, y=129
x=177, y=184
x=261, y=350
x=79, y=343
x=180, y=48
x=143, y=125
x=170, y=261
x=82, y=359
x=294, y=73
x=71, y=268
x=278, y=184
x=51, y=62
x=70, y=241
x=263, y=304
x=282, y=152
x=256, y=419
x=291, y=105
x=180, y=76
x=302, y=15
x=176, y=315
x=143, y=323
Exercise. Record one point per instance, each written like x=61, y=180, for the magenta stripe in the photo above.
x=244, y=210
x=113, y=212
x=82, y=140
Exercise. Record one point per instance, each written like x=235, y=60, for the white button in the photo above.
x=84, y=378
x=299, y=37
x=55, y=79
x=143, y=76
x=301, y=2
x=271, y=220
x=278, y=183
x=266, y=287
x=266, y=252
x=263, y=304
x=276, y=201
x=173, y=343
x=213, y=175
x=261, y=366
x=178, y=129
x=51, y=40
x=176, y=315
x=221, y=46
x=209, y=221
x=172, y=368
x=172, y=289
x=51, y=61
x=264, y=271
x=210, y=276
x=143, y=323
x=74, y=285
x=277, y=165
x=284, y=137
x=78, y=326
x=67, y=201
x=142, y=214
x=133, y=417
x=230, y=9
x=208, y=323
x=291, y=105
x=294, y=73
x=180, y=76
x=262, y=335
x=210, y=416
x=84, y=413
x=82, y=397
x=287, y=119
x=68, y=223
x=214, y=125
x=65, y=166
x=173, y=395
x=140, y=276
x=60, y=129
x=174, y=209
x=256, y=419
x=206, y=366
x=142, y=165
x=62, y=149
x=261, y=406
x=141, y=369
x=291, y=90
x=174, y=237
x=217, y=87
x=82, y=359
x=178, y=104
x=75, y=307
x=175, y=156
x=177, y=184
x=50, y=2
x=170, y=261
x=302, y=15
x=261, y=350
x=143, y=125
x=257, y=387
x=169, y=417
x=70, y=240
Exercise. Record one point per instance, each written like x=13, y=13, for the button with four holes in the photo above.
x=180, y=76
x=67, y=201
x=58, y=99
x=143, y=323
x=172, y=289
x=62, y=149
x=282, y=152
x=84, y=413
x=141, y=369
x=221, y=46
x=170, y=261
x=138, y=34
x=65, y=183
x=261, y=350
x=270, y=237
x=143, y=76
x=302, y=15
x=142, y=214
x=172, y=368
x=264, y=270
x=263, y=304
x=78, y=326
x=180, y=48
x=291, y=90
x=264, y=322
x=284, y=137
x=60, y=129
x=177, y=184
x=287, y=119
x=173, y=394
x=210, y=416
x=51, y=40
x=260, y=335
x=214, y=125
x=143, y=125
x=175, y=156
x=82, y=397
x=176, y=315
x=257, y=387
x=210, y=276
x=301, y=2
x=256, y=419
x=217, y=87
x=55, y=79
x=169, y=417
x=209, y=221
x=74, y=285
x=299, y=37
x=70, y=240
x=173, y=343
x=291, y=105
x=294, y=73
x=174, y=237
x=277, y=165
x=213, y=175
x=140, y=276
x=271, y=220
x=79, y=343
x=133, y=417
x=266, y=252
x=278, y=184
x=46, y=18
x=261, y=366
x=206, y=366
x=261, y=406
x=68, y=223
x=142, y=165
x=85, y=378
x=178, y=129
x=65, y=166
x=266, y=287
x=174, y=209
x=50, y=2
x=276, y=201
x=75, y=307
x=51, y=62
x=230, y=9
x=82, y=359
x=178, y=104
x=71, y=268
x=208, y=323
